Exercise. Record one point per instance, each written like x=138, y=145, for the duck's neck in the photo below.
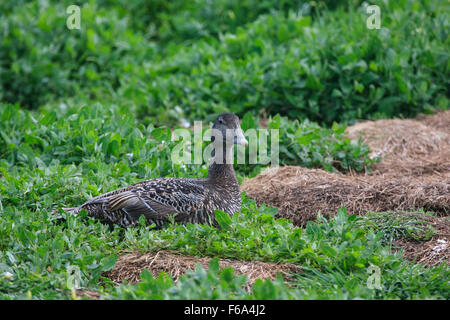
x=221, y=168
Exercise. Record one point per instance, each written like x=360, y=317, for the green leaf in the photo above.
x=312, y=82
x=329, y=251
x=113, y=148
x=109, y=262
x=223, y=219
x=248, y=122
x=275, y=122
x=306, y=139
x=283, y=33
x=304, y=21
x=214, y=266
x=161, y=134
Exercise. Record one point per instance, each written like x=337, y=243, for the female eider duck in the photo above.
x=189, y=200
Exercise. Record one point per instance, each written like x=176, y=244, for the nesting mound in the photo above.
x=439, y=121
x=129, y=266
x=301, y=193
x=408, y=147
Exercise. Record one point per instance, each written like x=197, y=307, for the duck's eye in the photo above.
x=221, y=121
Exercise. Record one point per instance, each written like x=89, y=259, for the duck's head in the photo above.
x=227, y=129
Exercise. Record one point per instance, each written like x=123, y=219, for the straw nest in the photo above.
x=129, y=266
x=301, y=193
x=414, y=173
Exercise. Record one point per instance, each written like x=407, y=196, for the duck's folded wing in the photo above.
x=135, y=205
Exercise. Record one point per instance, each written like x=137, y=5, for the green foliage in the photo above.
x=394, y=225
x=86, y=136
x=308, y=145
x=192, y=285
x=38, y=250
x=40, y=58
x=196, y=285
x=96, y=133
x=334, y=257
x=186, y=21
x=327, y=67
x=106, y=99
x=38, y=253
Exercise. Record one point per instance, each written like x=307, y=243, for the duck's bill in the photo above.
x=239, y=138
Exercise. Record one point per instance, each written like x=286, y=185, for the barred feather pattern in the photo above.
x=188, y=200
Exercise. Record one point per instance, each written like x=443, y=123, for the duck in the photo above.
x=187, y=200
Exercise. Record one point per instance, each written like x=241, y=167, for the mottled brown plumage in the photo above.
x=188, y=200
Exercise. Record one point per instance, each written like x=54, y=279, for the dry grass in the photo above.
x=417, y=147
x=439, y=121
x=301, y=193
x=94, y=295
x=129, y=266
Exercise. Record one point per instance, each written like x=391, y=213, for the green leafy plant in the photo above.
x=333, y=255
x=87, y=111
x=395, y=225
x=275, y=58
x=308, y=145
x=193, y=285
x=106, y=133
